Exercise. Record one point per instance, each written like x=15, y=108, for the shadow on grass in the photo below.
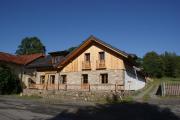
x=119, y=111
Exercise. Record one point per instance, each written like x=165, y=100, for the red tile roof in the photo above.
x=21, y=59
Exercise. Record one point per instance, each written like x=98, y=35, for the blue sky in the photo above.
x=135, y=26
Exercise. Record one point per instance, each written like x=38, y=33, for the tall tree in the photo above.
x=153, y=64
x=178, y=66
x=30, y=45
x=170, y=64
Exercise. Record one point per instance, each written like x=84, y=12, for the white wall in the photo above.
x=133, y=83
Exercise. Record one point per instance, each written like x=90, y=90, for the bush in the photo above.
x=9, y=82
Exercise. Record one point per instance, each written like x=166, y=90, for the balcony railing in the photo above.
x=86, y=65
x=100, y=64
x=37, y=86
x=79, y=87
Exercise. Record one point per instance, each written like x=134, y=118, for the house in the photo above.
x=93, y=66
x=18, y=63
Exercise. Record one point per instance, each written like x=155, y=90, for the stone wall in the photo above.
x=114, y=77
x=73, y=96
x=74, y=80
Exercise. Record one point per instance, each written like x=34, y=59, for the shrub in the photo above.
x=9, y=82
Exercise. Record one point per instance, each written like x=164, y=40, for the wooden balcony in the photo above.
x=100, y=64
x=78, y=87
x=86, y=65
x=36, y=86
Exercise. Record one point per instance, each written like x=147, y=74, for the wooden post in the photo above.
x=163, y=89
x=162, y=92
x=89, y=88
x=66, y=87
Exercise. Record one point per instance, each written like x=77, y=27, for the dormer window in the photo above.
x=55, y=59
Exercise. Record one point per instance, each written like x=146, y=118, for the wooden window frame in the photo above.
x=86, y=58
x=100, y=57
x=64, y=81
x=104, y=78
x=52, y=81
x=41, y=79
x=85, y=78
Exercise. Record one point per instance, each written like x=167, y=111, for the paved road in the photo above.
x=21, y=109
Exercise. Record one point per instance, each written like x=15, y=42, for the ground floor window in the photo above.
x=104, y=78
x=64, y=79
x=42, y=79
x=85, y=78
x=52, y=79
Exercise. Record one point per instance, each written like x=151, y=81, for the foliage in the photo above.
x=178, y=66
x=9, y=82
x=153, y=64
x=71, y=49
x=164, y=65
x=30, y=45
x=137, y=60
x=170, y=64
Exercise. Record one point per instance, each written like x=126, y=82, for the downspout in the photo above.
x=21, y=79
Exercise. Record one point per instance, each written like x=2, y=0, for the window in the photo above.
x=87, y=57
x=64, y=79
x=101, y=56
x=42, y=79
x=85, y=78
x=52, y=79
x=104, y=78
x=55, y=59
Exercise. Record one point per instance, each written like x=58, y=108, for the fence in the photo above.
x=170, y=88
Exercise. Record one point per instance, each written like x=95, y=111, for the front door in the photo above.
x=84, y=83
x=51, y=82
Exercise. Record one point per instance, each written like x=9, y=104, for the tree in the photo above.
x=30, y=45
x=153, y=64
x=9, y=82
x=71, y=49
x=178, y=66
x=136, y=60
x=170, y=64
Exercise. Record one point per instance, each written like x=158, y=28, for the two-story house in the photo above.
x=94, y=65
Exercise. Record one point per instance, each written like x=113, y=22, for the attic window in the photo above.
x=101, y=56
x=87, y=57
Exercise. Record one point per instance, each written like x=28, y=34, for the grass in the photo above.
x=127, y=99
x=169, y=97
x=146, y=97
x=30, y=97
x=25, y=96
x=167, y=79
x=157, y=81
